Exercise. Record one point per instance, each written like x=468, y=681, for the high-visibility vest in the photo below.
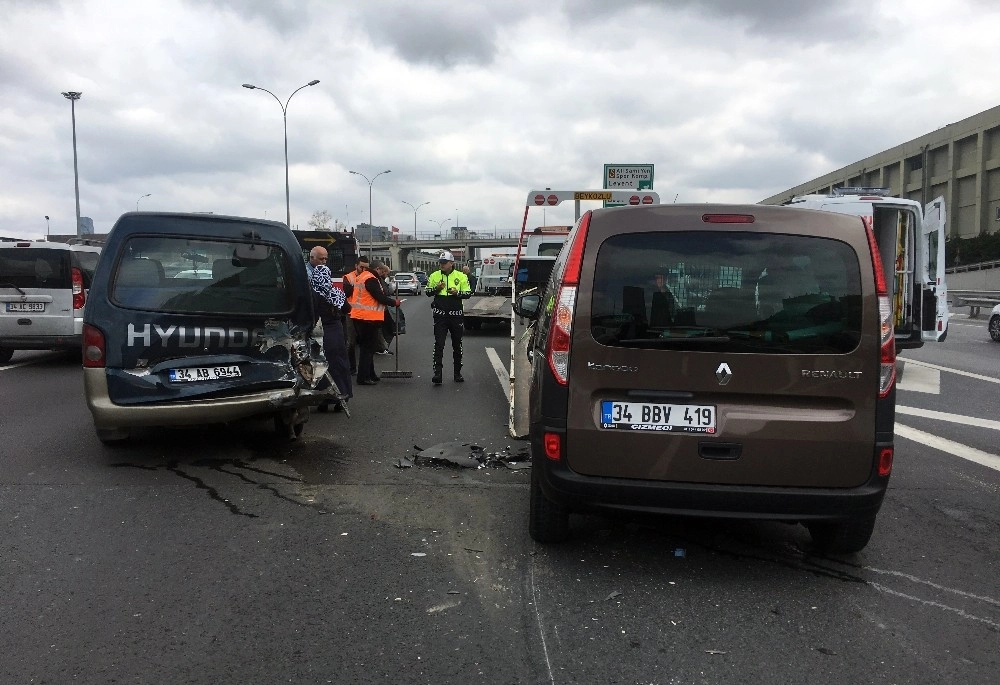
x=363, y=305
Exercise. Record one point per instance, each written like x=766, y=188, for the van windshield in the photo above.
x=35, y=267
x=727, y=292
x=185, y=275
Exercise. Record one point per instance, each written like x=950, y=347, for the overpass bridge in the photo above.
x=408, y=255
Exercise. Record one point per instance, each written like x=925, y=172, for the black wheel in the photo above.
x=5, y=354
x=994, y=327
x=842, y=537
x=112, y=437
x=288, y=428
x=547, y=521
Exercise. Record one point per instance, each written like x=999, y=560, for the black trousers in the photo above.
x=335, y=348
x=367, y=336
x=443, y=325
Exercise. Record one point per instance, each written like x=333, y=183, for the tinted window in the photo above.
x=727, y=291
x=186, y=275
x=35, y=267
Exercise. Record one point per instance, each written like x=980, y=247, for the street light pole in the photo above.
x=140, y=197
x=284, y=116
x=73, y=96
x=439, y=223
x=371, y=222
x=415, y=215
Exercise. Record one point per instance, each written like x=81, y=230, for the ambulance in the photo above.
x=911, y=242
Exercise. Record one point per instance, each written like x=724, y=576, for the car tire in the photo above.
x=842, y=537
x=112, y=437
x=5, y=354
x=285, y=429
x=547, y=521
x=994, y=327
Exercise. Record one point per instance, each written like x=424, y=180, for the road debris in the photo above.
x=467, y=456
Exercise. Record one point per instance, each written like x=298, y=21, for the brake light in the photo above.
x=885, y=461
x=552, y=443
x=561, y=326
x=728, y=218
x=79, y=297
x=887, y=340
x=93, y=347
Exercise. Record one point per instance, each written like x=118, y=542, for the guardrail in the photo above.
x=974, y=299
x=972, y=267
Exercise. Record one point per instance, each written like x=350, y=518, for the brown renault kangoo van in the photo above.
x=714, y=360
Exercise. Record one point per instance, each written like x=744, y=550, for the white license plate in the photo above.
x=645, y=416
x=204, y=373
x=25, y=306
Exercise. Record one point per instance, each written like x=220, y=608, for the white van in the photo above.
x=911, y=242
x=43, y=289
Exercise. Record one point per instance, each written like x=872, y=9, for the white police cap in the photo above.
x=446, y=256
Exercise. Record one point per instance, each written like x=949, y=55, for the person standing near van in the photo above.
x=330, y=304
x=368, y=302
x=448, y=287
x=350, y=278
x=318, y=255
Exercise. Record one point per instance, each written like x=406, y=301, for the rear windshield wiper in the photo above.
x=676, y=340
x=11, y=285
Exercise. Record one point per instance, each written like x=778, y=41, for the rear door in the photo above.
x=724, y=353
x=36, y=291
x=934, y=322
x=172, y=336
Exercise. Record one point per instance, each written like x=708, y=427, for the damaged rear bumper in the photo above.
x=108, y=415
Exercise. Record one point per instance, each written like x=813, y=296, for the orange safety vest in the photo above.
x=363, y=305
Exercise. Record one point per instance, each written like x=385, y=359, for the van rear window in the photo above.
x=185, y=275
x=35, y=267
x=727, y=291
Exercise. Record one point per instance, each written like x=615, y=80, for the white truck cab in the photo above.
x=911, y=242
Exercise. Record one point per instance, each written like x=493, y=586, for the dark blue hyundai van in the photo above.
x=196, y=319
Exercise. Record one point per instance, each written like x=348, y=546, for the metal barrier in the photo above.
x=974, y=299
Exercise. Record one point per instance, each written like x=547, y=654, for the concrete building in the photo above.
x=960, y=161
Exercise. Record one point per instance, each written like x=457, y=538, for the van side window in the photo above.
x=727, y=291
x=184, y=275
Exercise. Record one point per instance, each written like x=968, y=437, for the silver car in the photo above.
x=43, y=289
x=406, y=282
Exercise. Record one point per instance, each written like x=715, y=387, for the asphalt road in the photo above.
x=224, y=555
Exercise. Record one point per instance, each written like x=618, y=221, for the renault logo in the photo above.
x=723, y=373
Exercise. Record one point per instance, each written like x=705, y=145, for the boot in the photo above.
x=436, y=378
x=458, y=375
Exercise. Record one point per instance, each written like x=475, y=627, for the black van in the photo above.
x=714, y=360
x=196, y=319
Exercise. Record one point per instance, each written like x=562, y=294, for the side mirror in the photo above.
x=528, y=306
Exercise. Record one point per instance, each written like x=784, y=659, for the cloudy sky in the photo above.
x=469, y=104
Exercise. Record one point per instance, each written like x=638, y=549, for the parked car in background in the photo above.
x=43, y=290
x=994, y=325
x=771, y=398
x=188, y=350
x=407, y=283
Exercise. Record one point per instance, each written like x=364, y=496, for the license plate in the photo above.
x=25, y=306
x=643, y=416
x=204, y=373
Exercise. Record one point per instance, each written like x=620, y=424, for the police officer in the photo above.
x=448, y=287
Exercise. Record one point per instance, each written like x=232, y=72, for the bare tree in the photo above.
x=320, y=221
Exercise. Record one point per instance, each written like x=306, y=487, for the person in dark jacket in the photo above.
x=330, y=304
x=368, y=302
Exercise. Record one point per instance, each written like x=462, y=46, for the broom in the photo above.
x=397, y=373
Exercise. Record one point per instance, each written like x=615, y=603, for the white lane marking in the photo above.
x=503, y=375
x=951, y=418
x=937, y=605
x=990, y=461
x=954, y=371
x=25, y=363
x=920, y=379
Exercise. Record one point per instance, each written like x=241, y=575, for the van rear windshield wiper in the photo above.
x=11, y=285
x=683, y=334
